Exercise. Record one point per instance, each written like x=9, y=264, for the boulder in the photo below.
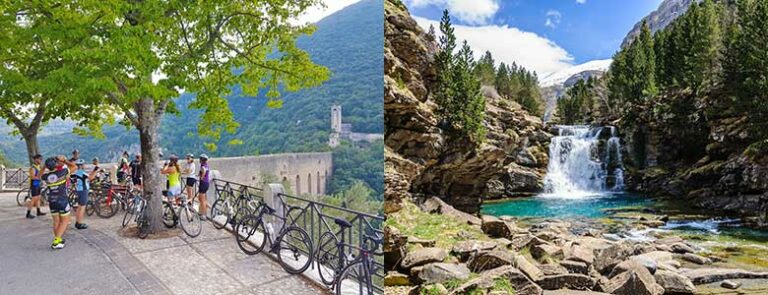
x=393, y=278
x=464, y=249
x=567, y=281
x=552, y=269
x=520, y=282
x=521, y=241
x=696, y=258
x=645, y=261
x=572, y=292
x=681, y=248
x=394, y=247
x=580, y=253
x=421, y=242
x=423, y=256
x=635, y=280
x=710, y=275
x=435, y=273
x=528, y=268
x=490, y=259
x=546, y=250
x=575, y=266
x=668, y=241
x=728, y=284
x=436, y=205
x=497, y=228
x=674, y=283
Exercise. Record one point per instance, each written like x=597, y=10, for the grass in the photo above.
x=501, y=284
x=443, y=229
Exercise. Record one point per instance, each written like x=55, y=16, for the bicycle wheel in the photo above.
x=354, y=279
x=246, y=235
x=128, y=216
x=169, y=216
x=106, y=208
x=22, y=197
x=190, y=221
x=142, y=225
x=294, y=250
x=218, y=216
x=89, y=208
x=328, y=259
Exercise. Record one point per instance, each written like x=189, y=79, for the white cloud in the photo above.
x=476, y=12
x=509, y=44
x=317, y=12
x=553, y=19
x=581, y=1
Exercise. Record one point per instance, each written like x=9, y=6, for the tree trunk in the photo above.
x=30, y=138
x=148, y=123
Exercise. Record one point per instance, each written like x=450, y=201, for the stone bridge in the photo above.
x=303, y=173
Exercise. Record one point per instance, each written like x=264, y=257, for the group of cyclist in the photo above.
x=61, y=175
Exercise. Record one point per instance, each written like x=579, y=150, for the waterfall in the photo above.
x=580, y=165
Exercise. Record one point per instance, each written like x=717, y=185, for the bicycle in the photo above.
x=137, y=212
x=231, y=210
x=111, y=199
x=185, y=216
x=331, y=257
x=27, y=196
x=356, y=277
x=290, y=243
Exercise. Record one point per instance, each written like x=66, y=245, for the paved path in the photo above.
x=100, y=261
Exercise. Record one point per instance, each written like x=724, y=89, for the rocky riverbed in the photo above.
x=436, y=249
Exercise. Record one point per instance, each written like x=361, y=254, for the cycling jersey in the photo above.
x=81, y=183
x=32, y=181
x=57, y=191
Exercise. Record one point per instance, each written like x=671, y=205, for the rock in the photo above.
x=496, y=228
x=681, y=248
x=436, y=205
x=656, y=256
x=637, y=281
x=572, y=292
x=567, y=281
x=503, y=242
x=669, y=240
x=393, y=246
x=600, y=253
x=647, y=262
x=421, y=242
x=696, y=258
x=528, y=268
x=546, y=250
x=552, y=269
x=710, y=275
x=663, y=247
x=580, y=253
x=521, y=283
x=393, y=278
x=728, y=284
x=423, y=256
x=674, y=283
x=525, y=240
x=575, y=266
x=464, y=249
x=436, y=289
x=490, y=259
x=434, y=273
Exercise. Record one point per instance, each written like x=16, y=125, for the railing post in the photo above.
x=272, y=198
x=2, y=178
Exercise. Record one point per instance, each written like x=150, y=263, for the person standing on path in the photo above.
x=136, y=172
x=35, y=186
x=123, y=168
x=56, y=176
x=75, y=156
x=202, y=191
x=172, y=171
x=82, y=187
x=188, y=173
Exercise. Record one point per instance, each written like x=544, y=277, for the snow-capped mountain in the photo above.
x=559, y=77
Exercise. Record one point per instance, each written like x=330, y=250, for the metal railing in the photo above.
x=317, y=218
x=14, y=178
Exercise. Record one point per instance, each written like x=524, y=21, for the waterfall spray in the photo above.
x=577, y=169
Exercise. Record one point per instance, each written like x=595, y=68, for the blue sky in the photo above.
x=563, y=31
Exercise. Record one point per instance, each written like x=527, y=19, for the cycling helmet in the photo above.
x=173, y=157
x=51, y=163
x=95, y=159
x=75, y=151
x=80, y=162
x=204, y=156
x=190, y=155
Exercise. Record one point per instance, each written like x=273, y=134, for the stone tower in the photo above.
x=335, y=136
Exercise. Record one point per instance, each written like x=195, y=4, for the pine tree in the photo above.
x=501, y=81
x=485, y=70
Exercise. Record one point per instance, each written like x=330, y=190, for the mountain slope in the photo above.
x=348, y=42
x=660, y=18
x=562, y=76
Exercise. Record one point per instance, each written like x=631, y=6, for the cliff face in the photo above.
x=660, y=18
x=420, y=161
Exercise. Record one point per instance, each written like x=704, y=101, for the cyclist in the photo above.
x=82, y=186
x=35, y=186
x=122, y=168
x=188, y=173
x=136, y=171
x=202, y=189
x=172, y=171
x=75, y=156
x=56, y=177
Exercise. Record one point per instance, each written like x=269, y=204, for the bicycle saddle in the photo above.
x=342, y=222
